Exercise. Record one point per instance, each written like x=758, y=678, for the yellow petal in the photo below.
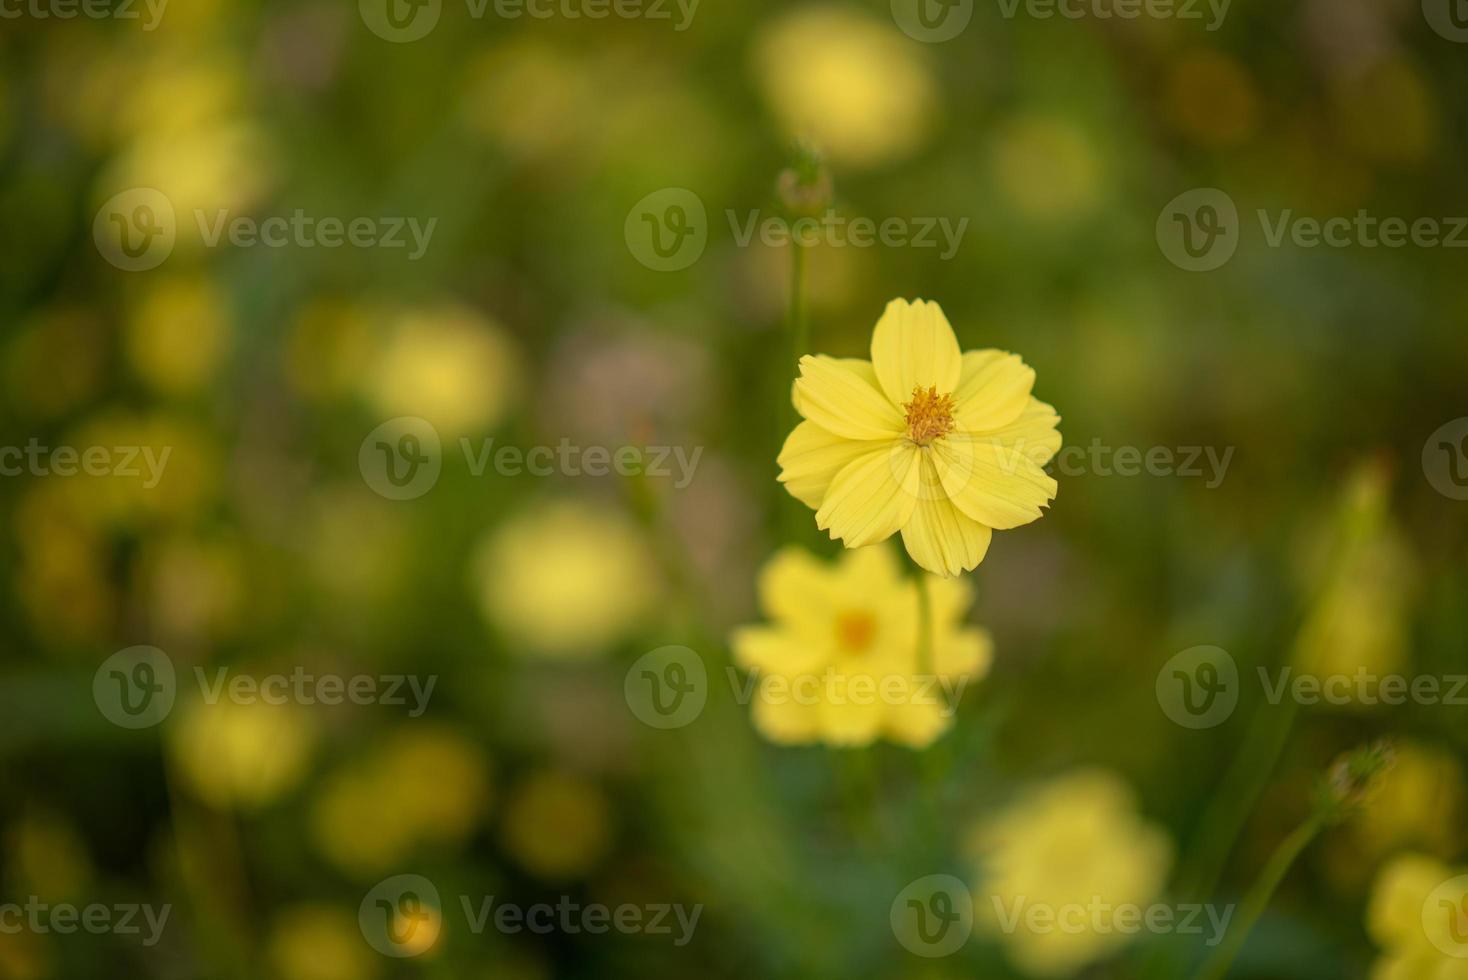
x=1033, y=433
x=842, y=397
x=811, y=458
x=966, y=652
x=916, y=725
x=913, y=346
x=771, y=650
x=993, y=388
x=797, y=590
x=994, y=485
x=781, y=719
x=846, y=722
x=872, y=496
x=940, y=537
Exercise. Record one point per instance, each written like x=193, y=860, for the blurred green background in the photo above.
x=530, y=318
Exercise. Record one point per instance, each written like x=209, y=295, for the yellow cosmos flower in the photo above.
x=1076, y=841
x=925, y=439
x=1418, y=914
x=840, y=662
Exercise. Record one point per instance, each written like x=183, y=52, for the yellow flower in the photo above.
x=319, y=942
x=1418, y=914
x=937, y=443
x=1074, y=842
x=840, y=662
x=557, y=825
x=242, y=755
x=850, y=83
x=1420, y=802
x=565, y=580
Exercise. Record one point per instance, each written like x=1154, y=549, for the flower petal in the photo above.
x=939, y=536
x=770, y=650
x=916, y=725
x=782, y=719
x=797, y=590
x=993, y=388
x=851, y=717
x=841, y=396
x=811, y=458
x=913, y=346
x=1032, y=433
x=872, y=496
x=993, y=484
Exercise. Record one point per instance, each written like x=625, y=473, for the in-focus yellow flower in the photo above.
x=1074, y=843
x=1418, y=915
x=925, y=439
x=557, y=825
x=565, y=580
x=840, y=661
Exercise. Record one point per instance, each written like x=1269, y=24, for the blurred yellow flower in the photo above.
x=942, y=445
x=1419, y=920
x=330, y=348
x=557, y=825
x=1363, y=575
x=319, y=942
x=1211, y=98
x=46, y=857
x=447, y=364
x=241, y=755
x=1419, y=802
x=840, y=662
x=1046, y=167
x=852, y=85
x=1076, y=840
x=565, y=579
x=177, y=334
x=428, y=785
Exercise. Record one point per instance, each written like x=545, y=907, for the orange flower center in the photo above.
x=929, y=415
x=855, y=631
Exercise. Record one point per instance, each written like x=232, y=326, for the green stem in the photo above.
x=1257, y=900
x=799, y=315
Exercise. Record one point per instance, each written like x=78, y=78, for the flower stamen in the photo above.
x=855, y=631
x=929, y=415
